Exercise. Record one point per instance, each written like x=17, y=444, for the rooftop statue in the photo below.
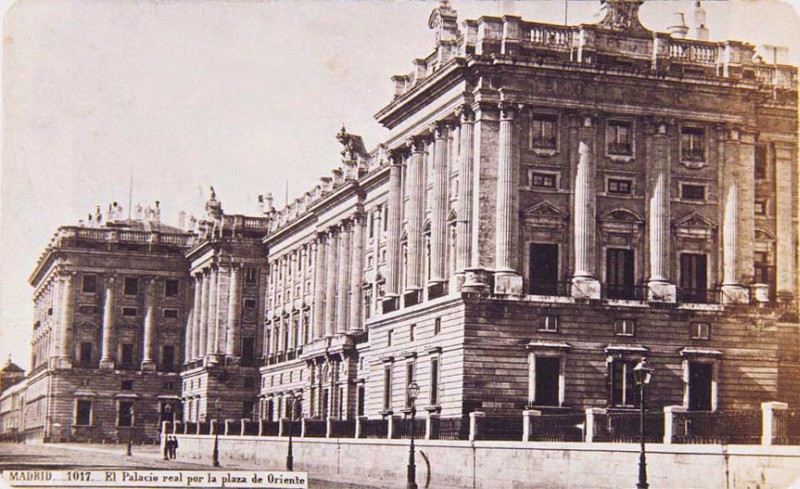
x=622, y=15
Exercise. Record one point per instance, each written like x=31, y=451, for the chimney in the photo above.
x=701, y=31
x=678, y=29
x=182, y=220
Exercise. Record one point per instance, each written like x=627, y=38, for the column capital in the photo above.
x=583, y=118
x=465, y=114
x=417, y=143
x=509, y=110
x=439, y=129
x=659, y=126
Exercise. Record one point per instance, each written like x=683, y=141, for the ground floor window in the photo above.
x=700, y=373
x=125, y=413
x=624, y=392
x=83, y=412
x=546, y=379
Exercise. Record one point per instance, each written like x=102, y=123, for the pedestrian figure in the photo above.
x=174, y=448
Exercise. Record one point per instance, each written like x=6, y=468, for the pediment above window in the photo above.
x=694, y=220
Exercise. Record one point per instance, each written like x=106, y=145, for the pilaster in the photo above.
x=507, y=278
x=415, y=186
x=440, y=203
x=344, y=275
x=232, y=346
x=109, y=334
x=733, y=290
x=785, y=183
x=465, y=183
x=357, y=271
x=331, y=281
x=660, y=287
x=148, y=364
x=320, y=266
x=584, y=283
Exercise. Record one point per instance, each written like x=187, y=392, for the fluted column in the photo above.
x=343, y=270
x=464, y=225
x=507, y=277
x=357, y=271
x=440, y=203
x=149, y=325
x=658, y=183
x=376, y=253
x=232, y=346
x=197, y=318
x=202, y=333
x=213, y=318
x=733, y=291
x=584, y=283
x=415, y=186
x=785, y=182
x=67, y=316
x=394, y=216
x=187, y=336
x=331, y=281
x=107, y=356
x=320, y=264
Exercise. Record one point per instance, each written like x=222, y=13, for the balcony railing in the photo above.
x=699, y=296
x=623, y=149
x=625, y=292
x=550, y=287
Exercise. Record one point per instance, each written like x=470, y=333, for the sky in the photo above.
x=242, y=95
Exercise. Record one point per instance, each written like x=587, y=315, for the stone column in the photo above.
x=584, y=283
x=320, y=263
x=440, y=204
x=343, y=275
x=465, y=182
x=213, y=289
x=785, y=182
x=394, y=216
x=415, y=185
x=107, y=356
x=507, y=278
x=187, y=336
x=733, y=292
x=67, y=316
x=203, y=324
x=232, y=347
x=331, y=280
x=197, y=317
x=377, y=256
x=357, y=271
x=148, y=364
x=660, y=289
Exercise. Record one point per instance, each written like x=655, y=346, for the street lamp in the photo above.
x=642, y=372
x=215, y=454
x=293, y=403
x=167, y=411
x=413, y=393
x=130, y=432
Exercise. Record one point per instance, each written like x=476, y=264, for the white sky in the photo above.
x=239, y=95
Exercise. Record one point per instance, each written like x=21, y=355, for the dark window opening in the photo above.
x=387, y=387
x=761, y=168
x=409, y=380
x=83, y=414
x=619, y=274
x=693, y=278
x=543, y=131
x=250, y=276
x=171, y=313
x=693, y=192
x=693, y=144
x=437, y=326
x=543, y=180
x=89, y=285
x=131, y=286
x=168, y=358
x=543, y=269
x=130, y=311
x=86, y=355
x=624, y=392
x=249, y=303
x=548, y=370
x=126, y=359
x=619, y=138
x=434, y=382
x=248, y=351
x=620, y=186
x=125, y=414
x=361, y=400
x=127, y=385
x=700, y=377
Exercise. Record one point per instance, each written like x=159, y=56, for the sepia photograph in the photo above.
x=374, y=244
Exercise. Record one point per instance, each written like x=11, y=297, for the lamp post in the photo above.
x=642, y=372
x=293, y=403
x=130, y=432
x=215, y=454
x=413, y=392
x=168, y=411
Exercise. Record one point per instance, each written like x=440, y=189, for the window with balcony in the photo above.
x=126, y=356
x=250, y=276
x=543, y=268
x=619, y=274
x=693, y=278
x=693, y=144
x=85, y=355
x=168, y=358
x=620, y=138
x=543, y=132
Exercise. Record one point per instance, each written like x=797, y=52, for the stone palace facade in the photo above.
x=552, y=204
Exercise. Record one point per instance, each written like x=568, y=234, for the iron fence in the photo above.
x=315, y=428
x=450, y=429
x=190, y=428
x=402, y=428
x=557, y=427
x=343, y=428
x=624, y=427
x=204, y=428
x=251, y=428
x=374, y=428
x=269, y=428
x=787, y=427
x=726, y=427
x=500, y=428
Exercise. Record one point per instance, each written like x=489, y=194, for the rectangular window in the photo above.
x=125, y=414
x=86, y=355
x=619, y=138
x=693, y=280
x=548, y=323
x=619, y=273
x=434, y=400
x=171, y=313
x=542, y=180
x=387, y=387
x=760, y=207
x=389, y=338
x=543, y=131
x=547, y=371
x=693, y=144
x=250, y=276
x=126, y=358
x=411, y=330
x=620, y=186
x=249, y=303
x=171, y=287
x=87, y=309
x=693, y=192
x=248, y=351
x=127, y=385
x=700, y=331
x=131, y=286
x=623, y=384
x=83, y=412
x=409, y=380
x=168, y=358
x=89, y=284
x=701, y=377
x=624, y=327
x=761, y=168
x=437, y=326
x=130, y=311
x=360, y=400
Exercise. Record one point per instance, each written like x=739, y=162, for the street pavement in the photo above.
x=66, y=456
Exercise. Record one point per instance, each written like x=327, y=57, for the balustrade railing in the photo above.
x=699, y=296
x=727, y=427
x=694, y=52
x=550, y=36
x=625, y=292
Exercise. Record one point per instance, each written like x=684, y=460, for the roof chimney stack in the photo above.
x=700, y=29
